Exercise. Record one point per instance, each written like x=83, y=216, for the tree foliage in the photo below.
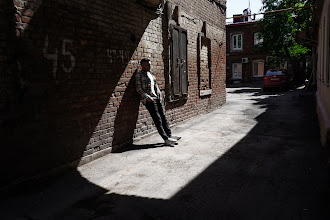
x=279, y=30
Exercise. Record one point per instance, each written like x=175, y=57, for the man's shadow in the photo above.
x=140, y=147
x=126, y=117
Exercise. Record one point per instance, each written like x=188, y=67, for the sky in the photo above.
x=237, y=7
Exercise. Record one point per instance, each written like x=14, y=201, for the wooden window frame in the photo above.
x=182, y=67
x=232, y=76
x=233, y=42
x=204, y=41
x=258, y=61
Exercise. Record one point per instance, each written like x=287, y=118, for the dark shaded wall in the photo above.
x=322, y=28
x=67, y=91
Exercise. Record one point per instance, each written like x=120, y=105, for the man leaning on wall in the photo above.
x=147, y=87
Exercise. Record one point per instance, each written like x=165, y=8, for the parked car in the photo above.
x=276, y=79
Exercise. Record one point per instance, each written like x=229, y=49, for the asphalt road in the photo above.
x=256, y=157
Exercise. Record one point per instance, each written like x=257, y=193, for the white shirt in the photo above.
x=152, y=83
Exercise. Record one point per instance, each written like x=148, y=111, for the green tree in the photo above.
x=279, y=30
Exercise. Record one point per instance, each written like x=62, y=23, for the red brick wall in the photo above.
x=247, y=30
x=74, y=96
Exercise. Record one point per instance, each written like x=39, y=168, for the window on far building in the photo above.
x=257, y=38
x=237, y=42
x=258, y=68
x=237, y=71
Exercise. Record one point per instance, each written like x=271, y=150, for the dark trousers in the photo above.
x=156, y=111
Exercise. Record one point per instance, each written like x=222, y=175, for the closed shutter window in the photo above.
x=175, y=56
x=179, y=67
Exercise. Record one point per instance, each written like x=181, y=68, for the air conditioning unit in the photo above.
x=268, y=58
x=245, y=60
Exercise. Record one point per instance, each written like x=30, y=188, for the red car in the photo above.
x=276, y=79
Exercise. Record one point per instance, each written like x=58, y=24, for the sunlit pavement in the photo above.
x=256, y=157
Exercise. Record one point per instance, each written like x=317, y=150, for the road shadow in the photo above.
x=244, y=85
x=247, y=90
x=277, y=171
x=255, y=90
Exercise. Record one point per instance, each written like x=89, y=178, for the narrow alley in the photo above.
x=256, y=157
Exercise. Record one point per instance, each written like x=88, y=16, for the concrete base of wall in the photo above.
x=324, y=123
x=94, y=156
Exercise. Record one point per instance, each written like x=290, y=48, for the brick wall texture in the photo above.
x=67, y=92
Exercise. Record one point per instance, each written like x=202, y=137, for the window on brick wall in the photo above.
x=179, y=67
x=204, y=62
x=237, y=71
x=237, y=41
x=258, y=68
x=257, y=38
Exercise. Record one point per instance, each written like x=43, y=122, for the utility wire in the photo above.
x=275, y=11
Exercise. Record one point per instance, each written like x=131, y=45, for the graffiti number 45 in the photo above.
x=54, y=56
